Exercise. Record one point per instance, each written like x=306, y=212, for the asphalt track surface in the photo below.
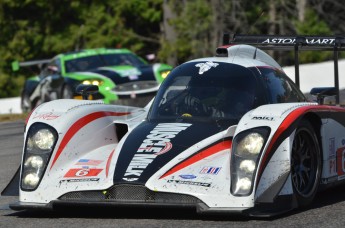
x=328, y=210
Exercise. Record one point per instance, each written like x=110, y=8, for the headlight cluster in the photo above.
x=39, y=145
x=92, y=82
x=165, y=73
x=245, y=156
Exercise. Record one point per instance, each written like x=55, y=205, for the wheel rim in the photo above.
x=304, y=163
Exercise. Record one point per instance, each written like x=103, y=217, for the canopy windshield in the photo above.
x=205, y=90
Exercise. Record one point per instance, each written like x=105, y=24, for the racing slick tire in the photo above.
x=305, y=164
x=67, y=92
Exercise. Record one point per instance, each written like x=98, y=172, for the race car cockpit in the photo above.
x=223, y=91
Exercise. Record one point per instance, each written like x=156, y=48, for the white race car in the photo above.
x=228, y=134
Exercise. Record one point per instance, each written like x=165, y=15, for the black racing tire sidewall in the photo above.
x=304, y=201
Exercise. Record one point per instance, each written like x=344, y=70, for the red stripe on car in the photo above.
x=199, y=156
x=108, y=163
x=80, y=124
x=288, y=121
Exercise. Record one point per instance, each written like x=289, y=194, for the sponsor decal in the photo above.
x=332, y=161
x=210, y=170
x=332, y=167
x=190, y=183
x=206, y=66
x=83, y=172
x=263, y=118
x=187, y=176
x=133, y=77
x=80, y=180
x=89, y=162
x=130, y=178
x=163, y=150
x=133, y=73
x=331, y=147
x=156, y=143
x=46, y=116
x=323, y=41
x=341, y=161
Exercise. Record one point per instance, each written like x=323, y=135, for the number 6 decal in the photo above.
x=83, y=172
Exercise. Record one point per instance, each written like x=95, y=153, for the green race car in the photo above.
x=121, y=76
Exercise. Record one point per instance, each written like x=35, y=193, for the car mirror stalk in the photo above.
x=322, y=92
x=86, y=90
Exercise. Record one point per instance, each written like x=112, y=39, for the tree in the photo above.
x=177, y=30
x=41, y=29
x=331, y=12
x=193, y=28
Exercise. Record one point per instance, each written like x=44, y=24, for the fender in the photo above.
x=274, y=164
x=69, y=116
x=86, y=130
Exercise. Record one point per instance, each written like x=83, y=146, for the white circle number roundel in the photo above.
x=82, y=172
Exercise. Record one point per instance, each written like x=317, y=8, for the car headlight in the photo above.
x=92, y=82
x=44, y=139
x=246, y=149
x=247, y=166
x=165, y=73
x=34, y=161
x=251, y=144
x=39, y=145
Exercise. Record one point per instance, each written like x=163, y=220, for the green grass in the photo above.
x=12, y=117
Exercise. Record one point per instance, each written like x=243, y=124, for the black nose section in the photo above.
x=151, y=145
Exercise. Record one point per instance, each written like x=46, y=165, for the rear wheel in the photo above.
x=305, y=164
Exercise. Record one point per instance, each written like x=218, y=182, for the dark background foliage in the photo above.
x=174, y=30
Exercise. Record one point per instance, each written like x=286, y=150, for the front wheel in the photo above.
x=305, y=164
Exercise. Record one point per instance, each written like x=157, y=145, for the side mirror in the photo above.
x=86, y=90
x=322, y=92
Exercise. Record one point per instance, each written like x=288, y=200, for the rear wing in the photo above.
x=16, y=65
x=296, y=44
